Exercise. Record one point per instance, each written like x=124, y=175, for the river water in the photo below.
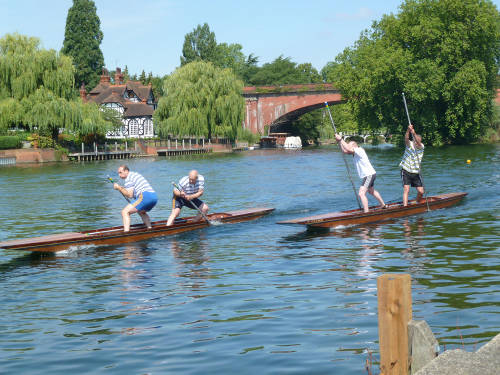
x=252, y=297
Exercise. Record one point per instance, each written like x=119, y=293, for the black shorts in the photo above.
x=181, y=202
x=368, y=181
x=412, y=179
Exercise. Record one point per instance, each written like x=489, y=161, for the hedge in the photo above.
x=9, y=141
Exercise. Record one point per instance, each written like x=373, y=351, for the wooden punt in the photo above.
x=393, y=210
x=115, y=235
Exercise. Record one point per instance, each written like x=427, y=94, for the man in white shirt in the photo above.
x=192, y=188
x=365, y=171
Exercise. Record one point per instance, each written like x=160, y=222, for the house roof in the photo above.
x=104, y=92
x=138, y=110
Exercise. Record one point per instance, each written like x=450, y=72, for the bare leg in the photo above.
x=129, y=209
x=364, y=200
x=145, y=219
x=406, y=190
x=173, y=215
x=420, y=193
x=204, y=209
x=377, y=196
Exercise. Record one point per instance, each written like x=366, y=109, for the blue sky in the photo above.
x=149, y=34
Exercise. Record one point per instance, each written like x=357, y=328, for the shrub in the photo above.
x=246, y=135
x=9, y=142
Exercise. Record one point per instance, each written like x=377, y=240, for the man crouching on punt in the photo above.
x=138, y=188
x=191, y=189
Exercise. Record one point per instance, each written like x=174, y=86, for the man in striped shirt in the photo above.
x=410, y=165
x=138, y=188
x=191, y=189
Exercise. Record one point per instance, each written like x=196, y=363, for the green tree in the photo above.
x=201, y=100
x=142, y=77
x=444, y=54
x=200, y=44
x=37, y=91
x=82, y=38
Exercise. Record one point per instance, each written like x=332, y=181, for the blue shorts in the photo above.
x=145, y=201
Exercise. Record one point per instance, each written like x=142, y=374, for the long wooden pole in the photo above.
x=417, y=161
x=192, y=204
x=111, y=180
x=343, y=156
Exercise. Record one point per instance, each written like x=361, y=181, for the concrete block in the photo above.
x=422, y=345
x=486, y=361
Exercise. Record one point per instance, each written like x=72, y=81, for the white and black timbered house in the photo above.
x=135, y=102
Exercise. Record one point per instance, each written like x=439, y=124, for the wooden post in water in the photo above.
x=394, y=313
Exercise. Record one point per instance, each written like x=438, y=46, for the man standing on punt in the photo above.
x=137, y=187
x=365, y=171
x=191, y=189
x=410, y=165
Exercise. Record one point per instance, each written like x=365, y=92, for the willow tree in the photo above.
x=37, y=88
x=200, y=100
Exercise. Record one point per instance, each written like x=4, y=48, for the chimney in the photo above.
x=83, y=93
x=118, y=76
x=105, y=79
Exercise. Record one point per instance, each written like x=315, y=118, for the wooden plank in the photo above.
x=394, y=313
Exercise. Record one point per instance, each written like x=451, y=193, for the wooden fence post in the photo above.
x=394, y=313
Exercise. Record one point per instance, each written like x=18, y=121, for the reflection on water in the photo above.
x=256, y=296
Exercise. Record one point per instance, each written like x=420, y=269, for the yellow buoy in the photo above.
x=468, y=161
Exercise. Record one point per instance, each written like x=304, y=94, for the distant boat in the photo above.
x=116, y=235
x=293, y=143
x=393, y=210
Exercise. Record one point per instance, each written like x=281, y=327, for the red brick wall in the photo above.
x=30, y=155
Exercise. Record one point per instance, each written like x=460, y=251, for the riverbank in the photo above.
x=48, y=155
x=31, y=155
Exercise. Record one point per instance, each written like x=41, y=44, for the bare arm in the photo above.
x=346, y=149
x=407, y=136
x=127, y=193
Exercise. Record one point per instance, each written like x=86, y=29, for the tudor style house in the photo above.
x=135, y=102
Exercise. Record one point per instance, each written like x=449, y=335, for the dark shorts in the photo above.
x=181, y=202
x=145, y=201
x=369, y=181
x=412, y=179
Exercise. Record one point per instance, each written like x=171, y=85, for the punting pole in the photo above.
x=192, y=204
x=111, y=180
x=419, y=164
x=343, y=156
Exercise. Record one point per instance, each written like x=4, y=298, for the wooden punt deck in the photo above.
x=115, y=235
x=393, y=210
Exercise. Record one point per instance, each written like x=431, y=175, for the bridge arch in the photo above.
x=274, y=105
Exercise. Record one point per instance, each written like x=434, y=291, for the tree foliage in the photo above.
x=444, y=54
x=200, y=100
x=82, y=38
x=283, y=71
x=37, y=88
x=200, y=44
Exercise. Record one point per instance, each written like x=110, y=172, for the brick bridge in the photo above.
x=276, y=105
